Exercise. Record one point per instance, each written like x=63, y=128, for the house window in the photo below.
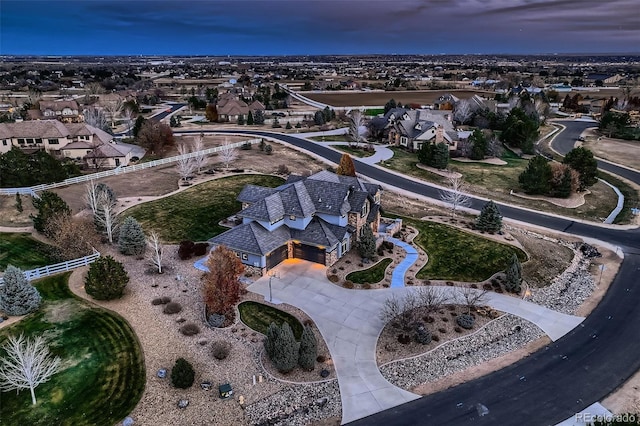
x=21, y=141
x=344, y=246
x=403, y=140
x=117, y=162
x=30, y=140
x=245, y=256
x=365, y=210
x=38, y=140
x=4, y=142
x=54, y=141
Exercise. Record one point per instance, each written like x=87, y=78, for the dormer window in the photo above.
x=365, y=210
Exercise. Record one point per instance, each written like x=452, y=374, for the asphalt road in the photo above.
x=557, y=381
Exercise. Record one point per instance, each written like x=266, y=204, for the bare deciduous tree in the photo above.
x=463, y=111
x=198, y=148
x=391, y=309
x=103, y=206
x=127, y=115
x=185, y=166
x=356, y=125
x=96, y=117
x=73, y=237
x=27, y=364
x=153, y=241
x=472, y=297
x=113, y=107
x=455, y=196
x=227, y=153
x=431, y=299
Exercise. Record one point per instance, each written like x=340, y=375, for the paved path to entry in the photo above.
x=397, y=276
x=350, y=324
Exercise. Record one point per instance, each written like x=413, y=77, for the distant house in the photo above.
x=76, y=141
x=66, y=111
x=230, y=108
x=317, y=218
x=412, y=128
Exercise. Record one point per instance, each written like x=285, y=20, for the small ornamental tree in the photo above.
x=285, y=356
x=367, y=244
x=582, y=161
x=182, y=374
x=221, y=288
x=272, y=335
x=308, y=351
x=490, y=219
x=132, y=240
x=513, y=275
x=346, y=166
x=106, y=279
x=536, y=178
x=17, y=295
x=48, y=205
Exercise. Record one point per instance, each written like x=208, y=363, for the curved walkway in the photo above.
x=397, y=277
x=350, y=324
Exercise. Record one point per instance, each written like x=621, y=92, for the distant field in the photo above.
x=421, y=97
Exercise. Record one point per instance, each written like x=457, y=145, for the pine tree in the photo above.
x=581, y=160
x=440, y=159
x=425, y=154
x=285, y=357
x=258, y=117
x=250, y=120
x=17, y=295
x=346, y=166
x=106, y=279
x=182, y=374
x=272, y=335
x=48, y=205
x=513, y=275
x=480, y=145
x=132, y=240
x=19, y=207
x=308, y=349
x=490, y=219
x=367, y=244
x=536, y=178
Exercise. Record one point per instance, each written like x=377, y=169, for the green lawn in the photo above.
x=24, y=252
x=194, y=214
x=372, y=112
x=370, y=275
x=495, y=182
x=103, y=374
x=258, y=316
x=354, y=152
x=459, y=256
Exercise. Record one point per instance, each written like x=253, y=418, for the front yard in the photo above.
x=23, y=251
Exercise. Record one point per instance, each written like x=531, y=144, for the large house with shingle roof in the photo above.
x=412, y=128
x=66, y=111
x=78, y=141
x=317, y=218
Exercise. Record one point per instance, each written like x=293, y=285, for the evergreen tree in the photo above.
x=308, y=349
x=272, y=336
x=250, y=121
x=582, y=161
x=520, y=130
x=17, y=295
x=285, y=357
x=138, y=125
x=367, y=244
x=258, y=117
x=536, y=178
x=479, y=146
x=182, y=374
x=132, y=240
x=346, y=166
x=106, y=279
x=319, y=118
x=490, y=219
x=241, y=120
x=391, y=104
x=328, y=114
x=425, y=154
x=19, y=207
x=440, y=159
x=288, y=126
x=513, y=275
x=49, y=205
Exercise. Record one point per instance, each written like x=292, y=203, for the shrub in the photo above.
x=347, y=284
x=465, y=321
x=185, y=250
x=190, y=329
x=157, y=301
x=268, y=149
x=422, y=336
x=435, y=338
x=404, y=339
x=200, y=249
x=165, y=300
x=172, y=308
x=283, y=169
x=308, y=350
x=182, y=374
x=216, y=320
x=285, y=350
x=334, y=278
x=487, y=286
x=442, y=330
x=457, y=329
x=321, y=358
x=220, y=349
x=106, y=279
x=132, y=240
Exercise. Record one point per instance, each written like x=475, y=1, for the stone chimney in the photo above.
x=439, y=134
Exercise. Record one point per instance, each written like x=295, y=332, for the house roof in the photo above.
x=34, y=129
x=253, y=238
x=58, y=105
x=252, y=193
x=270, y=209
x=109, y=150
x=319, y=232
x=233, y=107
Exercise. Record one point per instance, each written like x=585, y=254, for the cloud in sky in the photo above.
x=271, y=27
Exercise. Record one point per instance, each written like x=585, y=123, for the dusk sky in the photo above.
x=291, y=27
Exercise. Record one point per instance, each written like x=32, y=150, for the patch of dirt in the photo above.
x=547, y=259
x=441, y=324
x=573, y=201
x=9, y=216
x=626, y=153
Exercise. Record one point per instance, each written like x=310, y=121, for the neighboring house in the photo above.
x=71, y=140
x=317, y=218
x=66, y=111
x=413, y=128
x=230, y=108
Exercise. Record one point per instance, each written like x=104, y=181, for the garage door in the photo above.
x=310, y=253
x=277, y=256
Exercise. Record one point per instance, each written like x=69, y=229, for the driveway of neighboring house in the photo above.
x=350, y=324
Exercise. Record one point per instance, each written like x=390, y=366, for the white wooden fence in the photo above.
x=45, y=271
x=120, y=170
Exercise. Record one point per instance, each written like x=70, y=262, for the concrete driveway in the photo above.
x=349, y=322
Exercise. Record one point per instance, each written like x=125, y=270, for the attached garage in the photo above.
x=277, y=256
x=310, y=253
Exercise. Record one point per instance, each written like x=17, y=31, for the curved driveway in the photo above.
x=563, y=378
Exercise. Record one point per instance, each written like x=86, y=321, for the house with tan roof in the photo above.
x=317, y=218
x=230, y=108
x=66, y=111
